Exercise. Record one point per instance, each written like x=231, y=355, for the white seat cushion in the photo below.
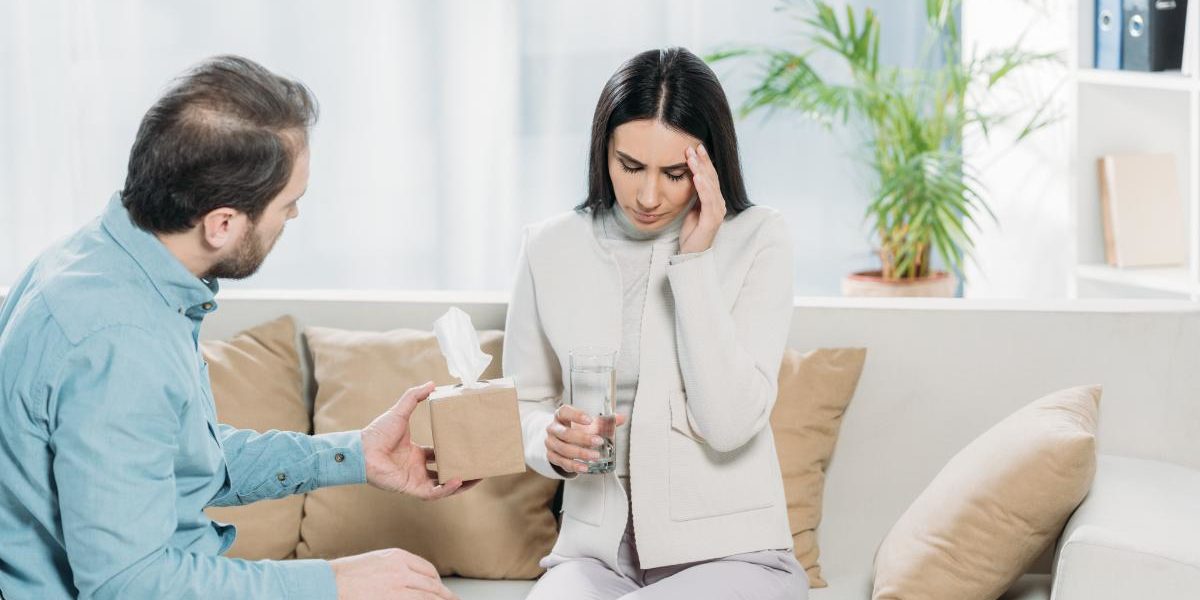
x=1030, y=587
x=480, y=589
x=1135, y=536
x=858, y=587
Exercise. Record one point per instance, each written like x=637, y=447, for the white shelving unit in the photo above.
x=1115, y=112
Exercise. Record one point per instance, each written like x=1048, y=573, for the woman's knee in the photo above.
x=586, y=579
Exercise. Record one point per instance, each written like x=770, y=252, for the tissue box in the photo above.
x=476, y=431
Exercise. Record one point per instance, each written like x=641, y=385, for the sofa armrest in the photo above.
x=1137, y=535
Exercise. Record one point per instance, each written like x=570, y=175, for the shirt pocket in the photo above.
x=705, y=483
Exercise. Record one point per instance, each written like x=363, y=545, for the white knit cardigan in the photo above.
x=703, y=471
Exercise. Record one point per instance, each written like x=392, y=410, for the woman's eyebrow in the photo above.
x=627, y=158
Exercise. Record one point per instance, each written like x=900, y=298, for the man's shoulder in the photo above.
x=88, y=283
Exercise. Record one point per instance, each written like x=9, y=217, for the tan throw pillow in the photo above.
x=996, y=506
x=814, y=390
x=498, y=530
x=257, y=385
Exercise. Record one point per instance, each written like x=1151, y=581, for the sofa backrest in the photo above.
x=938, y=374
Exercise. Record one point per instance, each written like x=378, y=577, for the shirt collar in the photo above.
x=178, y=287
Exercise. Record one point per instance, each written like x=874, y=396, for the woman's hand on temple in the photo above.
x=701, y=224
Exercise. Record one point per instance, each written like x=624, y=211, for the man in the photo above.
x=109, y=445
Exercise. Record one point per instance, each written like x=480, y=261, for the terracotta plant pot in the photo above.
x=872, y=284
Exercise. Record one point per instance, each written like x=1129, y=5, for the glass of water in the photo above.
x=594, y=392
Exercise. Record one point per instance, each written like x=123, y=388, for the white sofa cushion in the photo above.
x=480, y=589
x=1137, y=535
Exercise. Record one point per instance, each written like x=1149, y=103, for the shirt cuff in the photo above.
x=682, y=258
x=340, y=459
x=308, y=579
x=693, y=272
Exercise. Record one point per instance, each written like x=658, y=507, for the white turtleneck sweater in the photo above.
x=632, y=248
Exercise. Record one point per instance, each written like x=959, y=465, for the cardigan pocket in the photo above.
x=583, y=498
x=681, y=420
x=705, y=483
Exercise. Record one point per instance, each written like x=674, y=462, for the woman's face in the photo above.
x=649, y=172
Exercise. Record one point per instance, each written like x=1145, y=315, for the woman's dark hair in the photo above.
x=225, y=134
x=677, y=88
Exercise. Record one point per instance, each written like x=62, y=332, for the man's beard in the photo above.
x=247, y=257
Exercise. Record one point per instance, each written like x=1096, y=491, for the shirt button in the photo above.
x=281, y=476
x=207, y=306
x=339, y=457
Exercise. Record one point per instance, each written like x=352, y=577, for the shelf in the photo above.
x=1176, y=280
x=1166, y=80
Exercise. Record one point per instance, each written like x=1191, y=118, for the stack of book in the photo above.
x=1143, y=35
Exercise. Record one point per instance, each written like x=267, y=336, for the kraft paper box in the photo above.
x=476, y=431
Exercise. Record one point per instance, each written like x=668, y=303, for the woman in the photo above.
x=669, y=263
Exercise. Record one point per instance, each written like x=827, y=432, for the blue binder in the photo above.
x=1109, y=28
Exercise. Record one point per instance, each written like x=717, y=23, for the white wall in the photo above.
x=1028, y=252
x=445, y=126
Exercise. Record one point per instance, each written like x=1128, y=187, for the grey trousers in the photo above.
x=764, y=575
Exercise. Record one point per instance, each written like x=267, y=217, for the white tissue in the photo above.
x=460, y=345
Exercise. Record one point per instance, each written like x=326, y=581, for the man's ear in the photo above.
x=222, y=227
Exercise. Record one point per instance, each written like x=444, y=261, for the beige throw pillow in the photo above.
x=498, y=530
x=814, y=390
x=996, y=506
x=256, y=384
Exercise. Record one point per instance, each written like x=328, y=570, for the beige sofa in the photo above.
x=939, y=373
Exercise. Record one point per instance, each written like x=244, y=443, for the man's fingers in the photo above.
x=433, y=491
x=460, y=486
x=419, y=565
x=435, y=589
x=468, y=485
x=412, y=397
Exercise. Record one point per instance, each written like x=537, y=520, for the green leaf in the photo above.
x=914, y=121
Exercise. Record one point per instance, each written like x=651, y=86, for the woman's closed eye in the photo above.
x=672, y=175
x=630, y=169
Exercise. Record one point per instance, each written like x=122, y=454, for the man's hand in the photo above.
x=394, y=462
x=388, y=574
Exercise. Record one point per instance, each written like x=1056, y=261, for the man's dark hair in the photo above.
x=676, y=87
x=225, y=134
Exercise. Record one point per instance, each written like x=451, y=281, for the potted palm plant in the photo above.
x=914, y=121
